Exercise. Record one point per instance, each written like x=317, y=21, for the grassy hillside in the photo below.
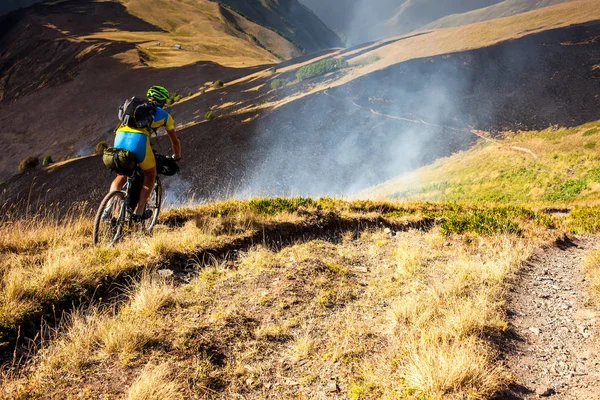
x=554, y=166
x=358, y=21
x=502, y=9
x=206, y=32
x=267, y=298
x=414, y=14
x=289, y=18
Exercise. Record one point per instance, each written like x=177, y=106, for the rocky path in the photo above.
x=554, y=350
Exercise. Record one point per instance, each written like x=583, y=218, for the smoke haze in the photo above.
x=376, y=127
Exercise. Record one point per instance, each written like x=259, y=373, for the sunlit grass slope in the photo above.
x=361, y=300
x=205, y=32
x=562, y=168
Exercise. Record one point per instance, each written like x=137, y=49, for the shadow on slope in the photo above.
x=371, y=129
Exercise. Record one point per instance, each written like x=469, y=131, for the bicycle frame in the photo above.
x=126, y=209
x=123, y=217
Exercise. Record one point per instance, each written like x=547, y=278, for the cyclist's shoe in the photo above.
x=143, y=216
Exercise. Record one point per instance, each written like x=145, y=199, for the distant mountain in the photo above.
x=413, y=14
x=503, y=9
x=362, y=20
x=290, y=19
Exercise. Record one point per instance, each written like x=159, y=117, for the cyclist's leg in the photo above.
x=149, y=168
x=118, y=182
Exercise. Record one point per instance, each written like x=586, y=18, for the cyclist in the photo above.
x=138, y=142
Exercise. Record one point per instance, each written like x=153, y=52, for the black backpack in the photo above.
x=136, y=113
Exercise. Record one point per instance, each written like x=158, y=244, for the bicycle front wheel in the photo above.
x=153, y=204
x=110, y=218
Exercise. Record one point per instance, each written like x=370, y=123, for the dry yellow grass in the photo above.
x=155, y=383
x=371, y=314
x=201, y=30
x=46, y=261
x=383, y=333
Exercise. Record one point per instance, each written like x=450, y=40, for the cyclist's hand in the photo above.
x=176, y=158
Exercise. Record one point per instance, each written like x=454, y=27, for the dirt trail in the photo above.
x=553, y=350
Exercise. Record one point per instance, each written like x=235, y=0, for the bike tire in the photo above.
x=108, y=231
x=154, y=203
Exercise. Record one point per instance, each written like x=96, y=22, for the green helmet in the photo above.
x=158, y=93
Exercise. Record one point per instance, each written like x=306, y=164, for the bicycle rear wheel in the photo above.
x=153, y=204
x=108, y=224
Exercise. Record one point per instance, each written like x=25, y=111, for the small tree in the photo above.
x=47, y=160
x=100, y=147
x=209, y=115
x=218, y=84
x=279, y=83
x=29, y=162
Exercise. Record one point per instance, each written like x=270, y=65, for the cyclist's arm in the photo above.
x=175, y=144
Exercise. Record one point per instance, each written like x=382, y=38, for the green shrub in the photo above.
x=190, y=94
x=273, y=70
x=321, y=68
x=594, y=175
x=367, y=61
x=568, y=190
x=584, y=220
x=279, y=83
x=218, y=84
x=174, y=98
x=209, y=115
x=590, y=145
x=28, y=163
x=100, y=147
x=47, y=160
x=278, y=205
x=591, y=132
x=486, y=222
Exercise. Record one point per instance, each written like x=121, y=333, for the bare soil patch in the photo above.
x=554, y=328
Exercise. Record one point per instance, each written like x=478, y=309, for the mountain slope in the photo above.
x=551, y=166
x=413, y=14
x=359, y=21
x=503, y=9
x=291, y=19
x=353, y=135
x=88, y=52
x=401, y=103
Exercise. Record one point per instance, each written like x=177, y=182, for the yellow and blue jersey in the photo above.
x=138, y=140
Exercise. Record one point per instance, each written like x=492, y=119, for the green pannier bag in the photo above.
x=122, y=161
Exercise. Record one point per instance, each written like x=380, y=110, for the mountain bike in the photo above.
x=116, y=213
